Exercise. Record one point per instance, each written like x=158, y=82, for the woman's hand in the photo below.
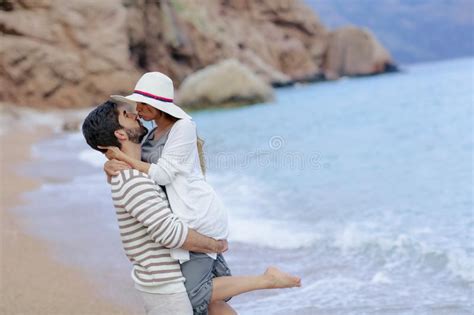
x=113, y=167
x=114, y=153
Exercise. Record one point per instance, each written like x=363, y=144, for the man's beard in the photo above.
x=137, y=134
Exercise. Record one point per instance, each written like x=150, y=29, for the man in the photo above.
x=148, y=228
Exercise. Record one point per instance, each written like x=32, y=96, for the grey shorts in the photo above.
x=199, y=271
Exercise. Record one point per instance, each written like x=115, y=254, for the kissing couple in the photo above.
x=172, y=224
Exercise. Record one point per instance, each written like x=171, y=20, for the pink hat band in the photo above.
x=153, y=96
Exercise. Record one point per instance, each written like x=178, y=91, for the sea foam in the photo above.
x=270, y=233
x=353, y=239
x=92, y=157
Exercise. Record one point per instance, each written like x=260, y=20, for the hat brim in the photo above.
x=167, y=107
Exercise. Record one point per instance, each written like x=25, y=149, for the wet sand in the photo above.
x=31, y=281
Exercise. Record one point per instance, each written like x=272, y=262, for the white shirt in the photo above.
x=191, y=198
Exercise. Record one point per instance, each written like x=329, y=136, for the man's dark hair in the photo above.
x=100, y=125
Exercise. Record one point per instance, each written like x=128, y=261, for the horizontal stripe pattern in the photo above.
x=148, y=228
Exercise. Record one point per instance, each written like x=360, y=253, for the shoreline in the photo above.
x=32, y=282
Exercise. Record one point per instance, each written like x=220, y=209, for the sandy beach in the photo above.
x=31, y=281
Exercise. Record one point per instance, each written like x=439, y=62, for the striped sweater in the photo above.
x=148, y=228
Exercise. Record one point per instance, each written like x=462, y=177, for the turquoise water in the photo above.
x=361, y=186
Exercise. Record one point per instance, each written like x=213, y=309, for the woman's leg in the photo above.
x=221, y=308
x=209, y=280
x=273, y=278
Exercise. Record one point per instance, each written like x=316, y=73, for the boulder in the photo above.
x=227, y=83
x=353, y=51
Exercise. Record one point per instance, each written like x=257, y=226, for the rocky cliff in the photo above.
x=63, y=53
x=59, y=53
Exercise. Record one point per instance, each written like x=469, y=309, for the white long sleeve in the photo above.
x=178, y=155
x=191, y=198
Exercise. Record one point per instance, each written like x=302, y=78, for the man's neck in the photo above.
x=131, y=149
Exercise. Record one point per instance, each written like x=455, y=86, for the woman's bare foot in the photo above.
x=278, y=279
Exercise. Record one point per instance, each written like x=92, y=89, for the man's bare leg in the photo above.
x=273, y=278
x=221, y=308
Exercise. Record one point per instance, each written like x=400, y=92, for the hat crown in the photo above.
x=156, y=83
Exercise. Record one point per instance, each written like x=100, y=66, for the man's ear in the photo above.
x=121, y=134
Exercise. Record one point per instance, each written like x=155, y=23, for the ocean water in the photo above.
x=363, y=187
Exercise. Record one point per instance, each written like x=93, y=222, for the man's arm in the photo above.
x=196, y=242
x=146, y=202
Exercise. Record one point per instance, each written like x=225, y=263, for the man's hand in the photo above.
x=196, y=242
x=113, y=167
x=222, y=246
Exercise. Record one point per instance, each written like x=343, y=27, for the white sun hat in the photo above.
x=154, y=89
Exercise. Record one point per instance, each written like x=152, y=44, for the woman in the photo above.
x=170, y=156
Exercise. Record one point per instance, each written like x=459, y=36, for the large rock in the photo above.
x=355, y=51
x=64, y=53
x=282, y=40
x=227, y=83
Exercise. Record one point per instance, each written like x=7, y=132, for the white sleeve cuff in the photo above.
x=161, y=171
x=152, y=172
